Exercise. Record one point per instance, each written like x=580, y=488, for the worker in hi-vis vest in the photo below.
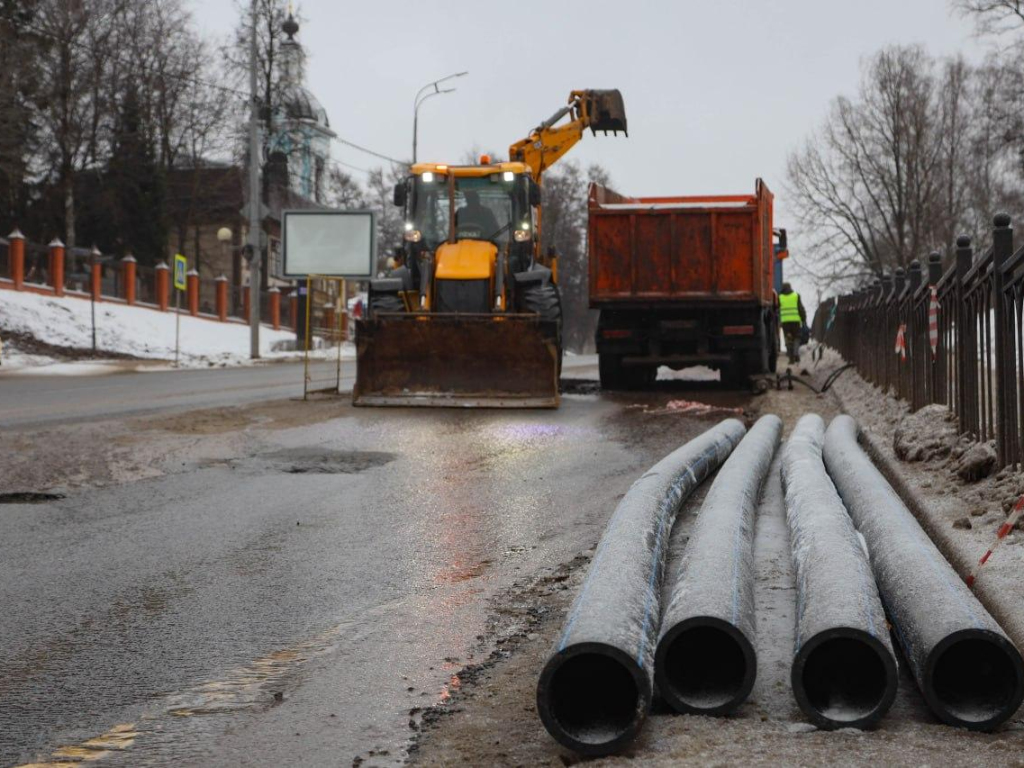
x=792, y=316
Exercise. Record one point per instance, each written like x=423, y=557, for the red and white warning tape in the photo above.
x=901, y=341
x=1004, y=529
x=933, y=321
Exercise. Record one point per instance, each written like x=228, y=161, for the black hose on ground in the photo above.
x=705, y=661
x=969, y=672
x=844, y=671
x=595, y=690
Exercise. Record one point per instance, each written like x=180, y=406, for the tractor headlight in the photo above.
x=413, y=236
x=521, y=235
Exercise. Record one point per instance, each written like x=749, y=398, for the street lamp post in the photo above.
x=422, y=95
x=255, y=203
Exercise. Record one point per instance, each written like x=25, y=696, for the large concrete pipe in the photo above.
x=844, y=671
x=595, y=690
x=969, y=672
x=705, y=662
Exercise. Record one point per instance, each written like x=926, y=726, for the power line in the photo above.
x=368, y=151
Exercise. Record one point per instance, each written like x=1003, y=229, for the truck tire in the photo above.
x=545, y=299
x=616, y=376
x=386, y=302
x=773, y=345
x=611, y=372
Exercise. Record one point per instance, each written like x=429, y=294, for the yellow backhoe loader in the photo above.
x=471, y=315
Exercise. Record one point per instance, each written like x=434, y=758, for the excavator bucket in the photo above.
x=607, y=111
x=456, y=360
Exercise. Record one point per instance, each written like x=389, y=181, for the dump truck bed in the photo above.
x=664, y=250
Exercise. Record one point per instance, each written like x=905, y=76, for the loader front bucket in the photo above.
x=607, y=111
x=456, y=360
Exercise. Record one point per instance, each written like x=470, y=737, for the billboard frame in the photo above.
x=370, y=271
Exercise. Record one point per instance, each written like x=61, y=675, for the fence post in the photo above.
x=129, y=267
x=964, y=260
x=222, y=298
x=16, y=255
x=192, y=277
x=932, y=361
x=95, y=274
x=163, y=283
x=907, y=370
x=1002, y=249
x=245, y=302
x=275, y=308
x=57, y=267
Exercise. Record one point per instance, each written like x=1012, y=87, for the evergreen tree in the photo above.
x=137, y=186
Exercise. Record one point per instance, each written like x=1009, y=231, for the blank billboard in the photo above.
x=330, y=243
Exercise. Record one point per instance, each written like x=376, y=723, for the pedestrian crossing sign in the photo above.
x=180, y=268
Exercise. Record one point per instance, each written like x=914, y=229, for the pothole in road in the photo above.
x=29, y=497
x=310, y=461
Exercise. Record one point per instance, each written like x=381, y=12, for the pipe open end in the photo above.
x=705, y=666
x=976, y=680
x=593, y=700
x=844, y=679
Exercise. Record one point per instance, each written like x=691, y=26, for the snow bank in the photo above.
x=136, y=331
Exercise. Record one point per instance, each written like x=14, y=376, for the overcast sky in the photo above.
x=717, y=92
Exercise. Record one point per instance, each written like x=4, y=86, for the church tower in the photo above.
x=300, y=130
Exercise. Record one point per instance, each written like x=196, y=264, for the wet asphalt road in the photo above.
x=33, y=400
x=300, y=599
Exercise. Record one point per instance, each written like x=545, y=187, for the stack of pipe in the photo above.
x=969, y=672
x=705, y=661
x=595, y=691
x=844, y=671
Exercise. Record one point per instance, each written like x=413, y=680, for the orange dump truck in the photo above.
x=684, y=281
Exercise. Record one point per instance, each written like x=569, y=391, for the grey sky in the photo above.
x=717, y=92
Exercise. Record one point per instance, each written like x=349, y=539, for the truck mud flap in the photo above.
x=468, y=361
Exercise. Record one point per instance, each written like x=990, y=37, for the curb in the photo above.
x=1004, y=610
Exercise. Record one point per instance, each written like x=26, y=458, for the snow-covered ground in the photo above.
x=123, y=330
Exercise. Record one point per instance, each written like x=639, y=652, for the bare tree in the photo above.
x=564, y=228
x=993, y=17
x=75, y=102
x=343, y=191
x=882, y=182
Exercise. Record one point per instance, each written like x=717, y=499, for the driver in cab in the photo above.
x=474, y=214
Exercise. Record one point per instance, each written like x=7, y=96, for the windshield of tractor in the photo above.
x=485, y=207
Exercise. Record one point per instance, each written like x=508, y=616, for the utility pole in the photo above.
x=255, y=202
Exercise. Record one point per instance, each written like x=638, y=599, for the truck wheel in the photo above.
x=773, y=346
x=611, y=371
x=640, y=377
x=545, y=299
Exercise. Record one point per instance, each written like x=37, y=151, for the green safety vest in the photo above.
x=789, y=307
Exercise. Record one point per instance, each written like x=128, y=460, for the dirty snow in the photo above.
x=137, y=331
x=694, y=373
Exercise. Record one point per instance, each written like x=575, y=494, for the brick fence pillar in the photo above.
x=57, y=267
x=163, y=283
x=293, y=308
x=192, y=277
x=95, y=274
x=275, y=308
x=130, y=267
x=222, y=298
x=16, y=258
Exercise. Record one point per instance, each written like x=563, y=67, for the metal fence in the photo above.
x=954, y=338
